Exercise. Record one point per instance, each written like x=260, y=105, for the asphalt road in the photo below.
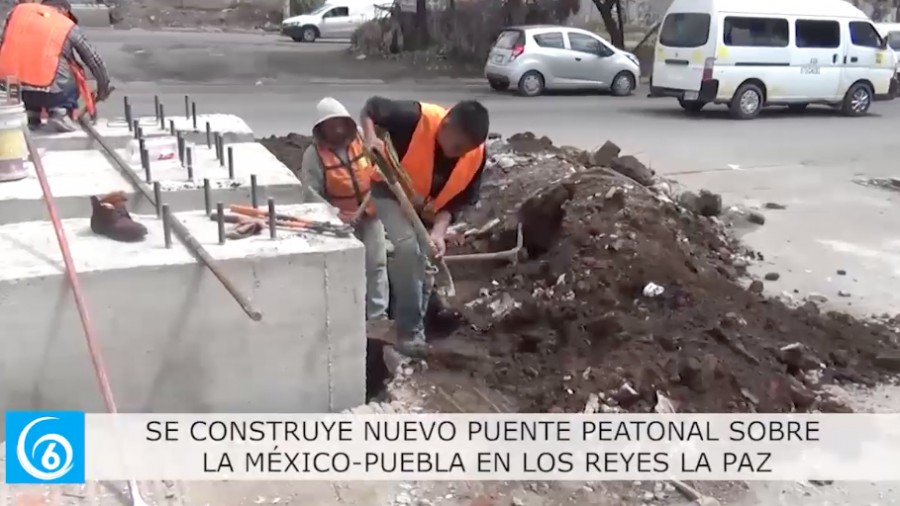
x=806, y=162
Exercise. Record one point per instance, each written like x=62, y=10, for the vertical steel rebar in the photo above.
x=172, y=126
x=231, y=162
x=189, y=161
x=253, y=198
x=157, y=197
x=208, y=135
x=220, y=221
x=194, y=114
x=138, y=131
x=206, y=196
x=127, y=113
x=145, y=163
x=162, y=117
x=156, y=106
x=187, y=106
x=167, y=225
x=272, y=230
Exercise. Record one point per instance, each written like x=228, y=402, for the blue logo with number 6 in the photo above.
x=44, y=447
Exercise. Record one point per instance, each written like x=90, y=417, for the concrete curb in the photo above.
x=92, y=16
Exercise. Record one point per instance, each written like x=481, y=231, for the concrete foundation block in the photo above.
x=92, y=15
x=116, y=133
x=76, y=175
x=172, y=337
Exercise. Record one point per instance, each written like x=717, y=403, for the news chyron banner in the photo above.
x=71, y=447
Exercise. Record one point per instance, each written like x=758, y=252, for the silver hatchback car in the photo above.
x=545, y=57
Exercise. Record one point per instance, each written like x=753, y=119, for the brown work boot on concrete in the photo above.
x=111, y=219
x=59, y=121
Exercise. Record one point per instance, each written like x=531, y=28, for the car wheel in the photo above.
x=797, y=107
x=623, y=84
x=310, y=34
x=857, y=100
x=747, y=102
x=498, y=85
x=531, y=84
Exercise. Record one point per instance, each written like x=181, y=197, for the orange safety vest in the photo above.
x=418, y=162
x=33, y=44
x=346, y=185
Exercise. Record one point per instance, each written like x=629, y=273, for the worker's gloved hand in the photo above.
x=438, y=243
x=375, y=144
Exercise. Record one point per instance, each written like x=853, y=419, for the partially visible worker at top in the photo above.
x=38, y=48
x=335, y=167
x=442, y=151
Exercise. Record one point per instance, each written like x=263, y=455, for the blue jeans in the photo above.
x=370, y=232
x=35, y=101
x=409, y=281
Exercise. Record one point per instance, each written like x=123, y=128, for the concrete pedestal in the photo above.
x=115, y=131
x=76, y=175
x=173, y=339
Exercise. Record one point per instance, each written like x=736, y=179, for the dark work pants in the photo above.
x=35, y=101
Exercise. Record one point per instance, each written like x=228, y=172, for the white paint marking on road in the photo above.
x=734, y=166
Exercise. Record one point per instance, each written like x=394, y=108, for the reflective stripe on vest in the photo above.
x=347, y=185
x=419, y=160
x=32, y=44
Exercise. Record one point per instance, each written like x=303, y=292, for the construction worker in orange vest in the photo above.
x=442, y=151
x=335, y=167
x=37, y=49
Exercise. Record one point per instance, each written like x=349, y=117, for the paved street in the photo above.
x=804, y=161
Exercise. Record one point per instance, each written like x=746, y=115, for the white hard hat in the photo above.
x=329, y=108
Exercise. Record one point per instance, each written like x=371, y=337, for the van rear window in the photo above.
x=507, y=39
x=685, y=29
x=894, y=40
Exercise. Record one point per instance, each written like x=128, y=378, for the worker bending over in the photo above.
x=335, y=167
x=38, y=48
x=442, y=151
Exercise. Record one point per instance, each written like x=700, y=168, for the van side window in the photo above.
x=337, y=12
x=756, y=32
x=818, y=34
x=685, y=29
x=553, y=40
x=864, y=34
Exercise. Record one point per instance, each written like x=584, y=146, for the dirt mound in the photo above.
x=629, y=299
x=288, y=149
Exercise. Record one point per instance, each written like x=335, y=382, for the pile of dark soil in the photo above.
x=288, y=149
x=581, y=319
x=581, y=322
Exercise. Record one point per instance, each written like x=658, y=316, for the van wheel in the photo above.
x=857, y=100
x=531, y=84
x=747, y=102
x=691, y=106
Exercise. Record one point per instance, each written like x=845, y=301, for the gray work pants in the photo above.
x=370, y=231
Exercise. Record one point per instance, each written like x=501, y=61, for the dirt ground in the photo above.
x=631, y=298
x=158, y=14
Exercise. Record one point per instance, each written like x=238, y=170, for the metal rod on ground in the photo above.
x=183, y=234
x=208, y=135
x=511, y=255
x=157, y=197
x=156, y=106
x=253, y=191
x=194, y=114
x=230, y=162
x=206, y=196
x=273, y=232
x=220, y=221
x=167, y=225
x=86, y=323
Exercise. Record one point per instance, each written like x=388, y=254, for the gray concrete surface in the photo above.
x=173, y=338
x=91, y=15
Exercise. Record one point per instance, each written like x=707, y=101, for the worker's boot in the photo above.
x=414, y=347
x=34, y=120
x=110, y=218
x=59, y=120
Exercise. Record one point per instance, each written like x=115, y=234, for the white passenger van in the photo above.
x=748, y=54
